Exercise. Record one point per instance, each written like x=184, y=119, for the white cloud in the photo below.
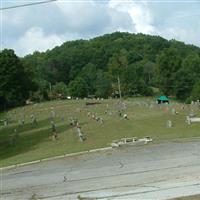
x=89, y=18
x=139, y=13
x=187, y=35
x=60, y=21
x=44, y=26
x=35, y=39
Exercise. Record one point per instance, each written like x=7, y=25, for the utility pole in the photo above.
x=119, y=88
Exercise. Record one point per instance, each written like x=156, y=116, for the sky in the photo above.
x=44, y=26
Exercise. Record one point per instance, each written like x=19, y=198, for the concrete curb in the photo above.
x=89, y=151
x=56, y=157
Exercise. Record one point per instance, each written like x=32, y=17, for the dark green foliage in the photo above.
x=103, y=85
x=187, y=76
x=89, y=74
x=93, y=67
x=169, y=62
x=78, y=88
x=15, y=84
x=60, y=90
x=195, y=95
x=115, y=68
x=133, y=80
x=42, y=91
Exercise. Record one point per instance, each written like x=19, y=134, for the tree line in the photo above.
x=144, y=64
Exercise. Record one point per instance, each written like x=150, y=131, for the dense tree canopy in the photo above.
x=93, y=67
x=15, y=84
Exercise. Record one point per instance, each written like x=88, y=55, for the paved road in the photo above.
x=158, y=171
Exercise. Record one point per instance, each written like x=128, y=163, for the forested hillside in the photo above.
x=93, y=68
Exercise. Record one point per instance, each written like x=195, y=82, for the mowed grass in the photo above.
x=35, y=142
x=195, y=197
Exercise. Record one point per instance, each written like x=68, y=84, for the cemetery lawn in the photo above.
x=195, y=197
x=35, y=141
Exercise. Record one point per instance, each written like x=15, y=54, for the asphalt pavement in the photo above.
x=155, y=171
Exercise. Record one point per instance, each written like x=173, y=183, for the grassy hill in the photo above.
x=146, y=118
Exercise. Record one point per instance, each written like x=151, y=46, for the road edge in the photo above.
x=55, y=157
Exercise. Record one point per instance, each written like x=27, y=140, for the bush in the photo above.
x=195, y=94
x=60, y=90
x=38, y=96
x=78, y=88
x=148, y=91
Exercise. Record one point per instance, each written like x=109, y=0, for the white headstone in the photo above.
x=169, y=124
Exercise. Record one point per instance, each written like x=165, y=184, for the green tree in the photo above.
x=195, y=94
x=41, y=94
x=14, y=81
x=89, y=74
x=149, y=72
x=60, y=90
x=123, y=58
x=114, y=67
x=168, y=63
x=132, y=81
x=187, y=76
x=78, y=88
x=134, y=56
x=113, y=54
x=103, y=85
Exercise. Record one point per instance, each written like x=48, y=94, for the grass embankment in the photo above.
x=35, y=142
x=195, y=197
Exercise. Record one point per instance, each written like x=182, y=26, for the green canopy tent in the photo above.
x=162, y=99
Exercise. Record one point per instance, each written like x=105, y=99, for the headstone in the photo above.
x=54, y=131
x=124, y=106
x=16, y=133
x=88, y=114
x=14, y=137
x=52, y=114
x=6, y=122
x=110, y=113
x=71, y=121
x=101, y=120
x=192, y=114
x=125, y=116
x=173, y=111
x=22, y=119
x=188, y=121
x=21, y=122
x=93, y=116
x=169, y=124
x=33, y=119
x=80, y=134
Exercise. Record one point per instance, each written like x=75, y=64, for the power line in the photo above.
x=28, y=4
